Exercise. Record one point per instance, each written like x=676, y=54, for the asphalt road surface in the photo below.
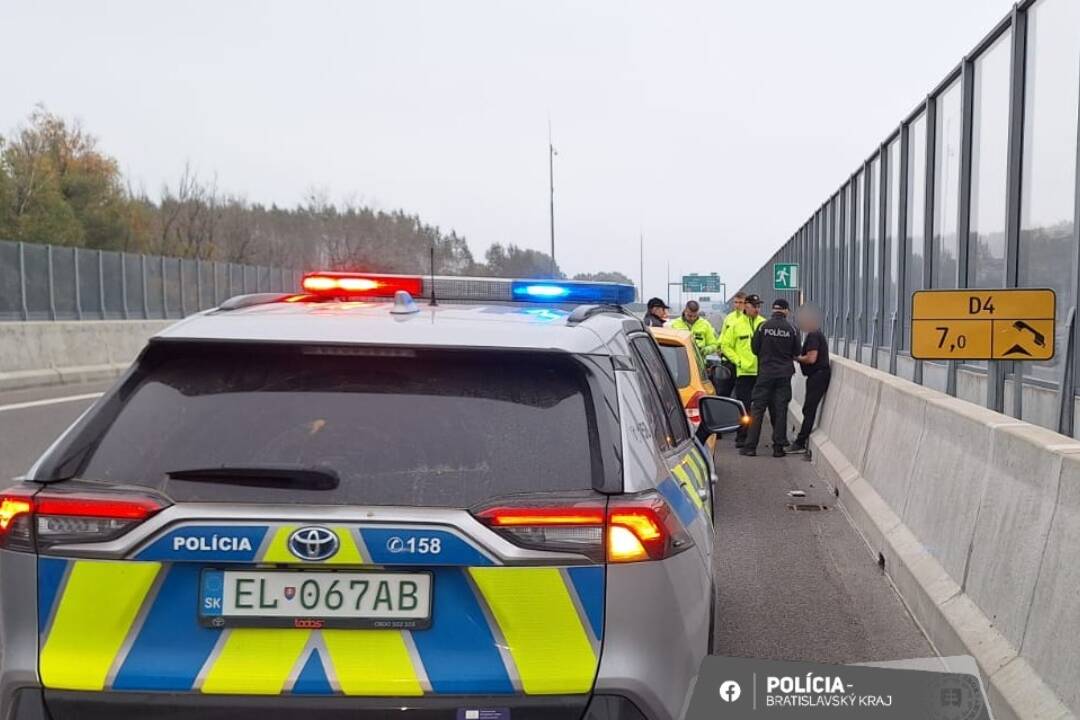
x=799, y=585
x=793, y=585
x=31, y=419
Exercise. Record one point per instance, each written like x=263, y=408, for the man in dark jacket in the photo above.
x=776, y=344
x=655, y=313
x=815, y=366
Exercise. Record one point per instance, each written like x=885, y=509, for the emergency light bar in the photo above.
x=349, y=285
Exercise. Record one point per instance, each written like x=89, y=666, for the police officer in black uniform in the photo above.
x=776, y=344
x=656, y=313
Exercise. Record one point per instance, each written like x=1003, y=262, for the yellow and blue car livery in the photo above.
x=129, y=625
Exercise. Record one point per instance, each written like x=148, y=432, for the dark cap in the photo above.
x=753, y=299
x=781, y=304
x=657, y=303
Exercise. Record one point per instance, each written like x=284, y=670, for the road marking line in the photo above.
x=49, y=401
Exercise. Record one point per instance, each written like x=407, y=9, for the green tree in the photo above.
x=7, y=212
x=62, y=189
x=613, y=276
x=513, y=261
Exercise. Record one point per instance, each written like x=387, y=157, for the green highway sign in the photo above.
x=694, y=283
x=785, y=276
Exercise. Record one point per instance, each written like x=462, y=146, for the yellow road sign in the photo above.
x=982, y=324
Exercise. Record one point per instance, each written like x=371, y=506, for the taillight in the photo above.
x=644, y=528
x=16, y=508
x=576, y=528
x=693, y=413
x=629, y=529
x=62, y=518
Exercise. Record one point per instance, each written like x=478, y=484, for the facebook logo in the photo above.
x=730, y=691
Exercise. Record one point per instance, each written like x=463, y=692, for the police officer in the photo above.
x=726, y=387
x=702, y=330
x=655, y=313
x=776, y=343
x=735, y=344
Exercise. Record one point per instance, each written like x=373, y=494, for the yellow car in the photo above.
x=687, y=366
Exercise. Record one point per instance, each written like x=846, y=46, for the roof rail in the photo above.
x=236, y=302
x=583, y=312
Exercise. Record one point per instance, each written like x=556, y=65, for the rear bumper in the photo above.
x=35, y=704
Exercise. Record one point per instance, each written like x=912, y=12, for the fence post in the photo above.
x=101, y=281
x=1067, y=386
x=180, y=271
x=78, y=284
x=198, y=284
x=145, y=299
x=22, y=282
x=52, y=295
x=214, y=273
x=123, y=284
x=164, y=290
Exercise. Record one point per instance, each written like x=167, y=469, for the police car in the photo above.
x=422, y=497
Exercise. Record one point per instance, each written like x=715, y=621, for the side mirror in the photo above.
x=712, y=361
x=721, y=415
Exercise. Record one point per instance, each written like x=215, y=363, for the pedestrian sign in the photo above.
x=785, y=276
x=983, y=324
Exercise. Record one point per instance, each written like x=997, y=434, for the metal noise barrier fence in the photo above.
x=47, y=282
x=977, y=187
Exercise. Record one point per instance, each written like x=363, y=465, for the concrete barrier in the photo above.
x=948, y=479
x=977, y=518
x=857, y=395
x=49, y=353
x=1050, y=637
x=898, y=426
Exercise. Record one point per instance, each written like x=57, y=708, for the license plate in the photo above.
x=308, y=599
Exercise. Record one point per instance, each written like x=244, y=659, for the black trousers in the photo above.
x=772, y=394
x=744, y=390
x=816, y=385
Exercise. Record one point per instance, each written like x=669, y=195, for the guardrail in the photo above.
x=48, y=282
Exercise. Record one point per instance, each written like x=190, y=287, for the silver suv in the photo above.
x=384, y=495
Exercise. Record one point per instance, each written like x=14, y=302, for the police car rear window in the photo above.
x=398, y=427
x=678, y=363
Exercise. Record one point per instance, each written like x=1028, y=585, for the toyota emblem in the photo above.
x=313, y=543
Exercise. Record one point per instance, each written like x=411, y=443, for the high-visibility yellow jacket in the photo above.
x=735, y=342
x=729, y=320
x=703, y=332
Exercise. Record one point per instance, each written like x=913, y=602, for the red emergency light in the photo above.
x=348, y=284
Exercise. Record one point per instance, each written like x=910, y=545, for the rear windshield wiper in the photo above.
x=271, y=476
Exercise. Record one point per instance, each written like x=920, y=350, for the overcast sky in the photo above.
x=714, y=128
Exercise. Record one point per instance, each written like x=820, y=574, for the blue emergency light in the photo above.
x=571, y=291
